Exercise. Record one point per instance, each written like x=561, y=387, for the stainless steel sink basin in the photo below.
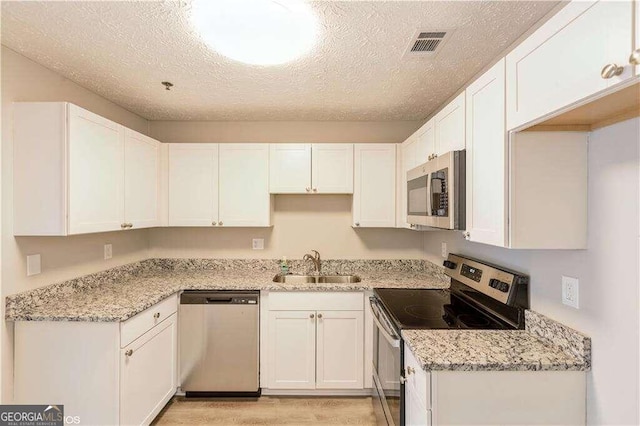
x=321, y=279
x=338, y=279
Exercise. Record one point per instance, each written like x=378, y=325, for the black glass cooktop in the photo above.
x=433, y=309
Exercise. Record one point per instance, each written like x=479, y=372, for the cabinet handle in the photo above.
x=220, y=223
x=634, y=59
x=156, y=315
x=312, y=316
x=610, y=71
x=129, y=352
x=308, y=189
x=319, y=316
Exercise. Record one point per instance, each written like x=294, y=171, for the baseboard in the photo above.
x=316, y=392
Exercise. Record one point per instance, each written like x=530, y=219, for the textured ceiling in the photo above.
x=357, y=71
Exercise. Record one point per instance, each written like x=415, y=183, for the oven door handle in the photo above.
x=386, y=331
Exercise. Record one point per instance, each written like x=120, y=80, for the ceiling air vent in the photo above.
x=427, y=43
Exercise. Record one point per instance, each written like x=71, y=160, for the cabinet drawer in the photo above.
x=136, y=326
x=418, y=380
x=315, y=301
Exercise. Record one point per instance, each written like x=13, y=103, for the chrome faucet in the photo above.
x=315, y=258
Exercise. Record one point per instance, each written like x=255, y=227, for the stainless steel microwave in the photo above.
x=436, y=192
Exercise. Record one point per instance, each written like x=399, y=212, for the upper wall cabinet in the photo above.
x=581, y=50
x=487, y=167
x=450, y=126
x=374, y=194
x=71, y=170
x=219, y=185
x=311, y=168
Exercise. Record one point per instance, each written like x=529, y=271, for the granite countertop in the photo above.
x=545, y=345
x=120, y=293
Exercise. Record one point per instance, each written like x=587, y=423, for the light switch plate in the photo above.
x=258, y=244
x=108, y=251
x=443, y=250
x=33, y=265
x=570, y=292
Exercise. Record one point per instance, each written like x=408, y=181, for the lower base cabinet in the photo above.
x=492, y=397
x=104, y=373
x=312, y=343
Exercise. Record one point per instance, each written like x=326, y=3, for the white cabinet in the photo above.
x=219, y=185
x=76, y=172
x=450, y=126
x=193, y=184
x=374, y=195
x=292, y=349
x=244, y=198
x=148, y=373
x=319, y=168
x=487, y=167
x=339, y=336
x=289, y=168
x=141, y=180
x=561, y=63
x=101, y=372
x=425, y=143
x=313, y=340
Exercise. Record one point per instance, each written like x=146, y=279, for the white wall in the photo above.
x=62, y=257
x=608, y=271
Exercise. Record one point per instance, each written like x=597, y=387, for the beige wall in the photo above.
x=283, y=131
x=62, y=257
x=301, y=223
x=608, y=272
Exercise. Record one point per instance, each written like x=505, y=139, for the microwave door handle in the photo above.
x=393, y=340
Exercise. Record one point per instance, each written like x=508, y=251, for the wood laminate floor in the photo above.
x=268, y=411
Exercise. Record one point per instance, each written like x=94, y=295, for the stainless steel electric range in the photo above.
x=481, y=296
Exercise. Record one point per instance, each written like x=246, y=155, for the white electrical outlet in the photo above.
x=443, y=250
x=570, y=291
x=33, y=264
x=258, y=244
x=108, y=251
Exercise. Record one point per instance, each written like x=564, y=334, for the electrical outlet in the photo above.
x=33, y=265
x=443, y=250
x=258, y=244
x=570, y=291
x=108, y=251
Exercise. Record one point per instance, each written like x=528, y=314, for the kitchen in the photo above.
x=296, y=166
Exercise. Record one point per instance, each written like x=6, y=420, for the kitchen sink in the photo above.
x=319, y=279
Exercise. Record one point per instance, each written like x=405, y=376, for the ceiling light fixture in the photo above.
x=259, y=32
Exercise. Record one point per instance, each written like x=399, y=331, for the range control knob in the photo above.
x=449, y=264
x=499, y=285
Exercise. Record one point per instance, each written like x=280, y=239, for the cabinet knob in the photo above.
x=610, y=71
x=357, y=223
x=308, y=189
x=129, y=225
x=411, y=370
x=220, y=223
x=312, y=316
x=467, y=235
x=123, y=225
x=156, y=315
x=129, y=352
x=634, y=58
x=319, y=316
x=214, y=223
x=315, y=189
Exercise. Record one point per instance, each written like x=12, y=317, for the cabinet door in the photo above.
x=636, y=44
x=244, y=185
x=374, y=195
x=450, y=126
x=486, y=158
x=290, y=168
x=193, y=184
x=141, y=180
x=340, y=352
x=560, y=63
x=292, y=350
x=332, y=168
x=415, y=413
x=96, y=173
x=426, y=143
x=148, y=373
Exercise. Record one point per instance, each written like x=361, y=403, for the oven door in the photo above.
x=387, y=369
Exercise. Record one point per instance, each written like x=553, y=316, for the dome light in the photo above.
x=259, y=32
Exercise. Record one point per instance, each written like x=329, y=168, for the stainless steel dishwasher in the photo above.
x=219, y=343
